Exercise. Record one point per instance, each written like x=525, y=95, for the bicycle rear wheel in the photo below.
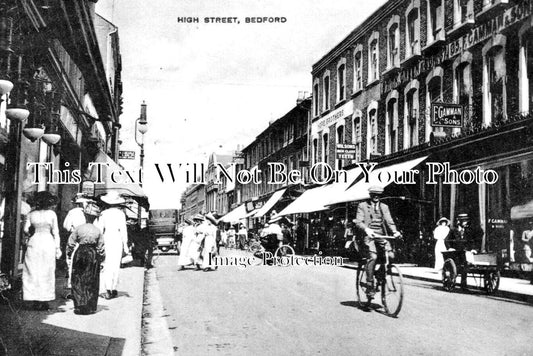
x=392, y=291
x=360, y=281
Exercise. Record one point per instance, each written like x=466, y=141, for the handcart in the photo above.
x=484, y=267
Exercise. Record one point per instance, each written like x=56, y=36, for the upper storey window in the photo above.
x=341, y=81
x=358, y=68
x=412, y=38
x=373, y=57
x=326, y=92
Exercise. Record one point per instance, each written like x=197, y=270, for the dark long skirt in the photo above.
x=85, y=279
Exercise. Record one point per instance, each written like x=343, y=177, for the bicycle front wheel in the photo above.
x=392, y=291
x=360, y=283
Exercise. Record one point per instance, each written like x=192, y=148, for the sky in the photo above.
x=211, y=87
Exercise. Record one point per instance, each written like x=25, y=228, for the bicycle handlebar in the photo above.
x=383, y=237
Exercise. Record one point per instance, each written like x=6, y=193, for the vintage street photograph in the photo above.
x=266, y=177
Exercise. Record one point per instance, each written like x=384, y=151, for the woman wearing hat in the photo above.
x=112, y=223
x=208, y=231
x=86, y=263
x=43, y=248
x=189, y=247
x=75, y=217
x=440, y=234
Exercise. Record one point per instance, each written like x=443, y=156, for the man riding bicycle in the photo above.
x=374, y=219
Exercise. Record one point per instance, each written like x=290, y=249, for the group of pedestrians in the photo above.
x=199, y=242
x=97, y=235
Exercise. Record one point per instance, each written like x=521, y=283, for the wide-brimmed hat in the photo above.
x=43, y=199
x=80, y=198
x=112, y=198
x=463, y=216
x=376, y=189
x=198, y=217
x=443, y=219
x=211, y=218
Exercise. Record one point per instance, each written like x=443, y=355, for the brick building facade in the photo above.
x=376, y=89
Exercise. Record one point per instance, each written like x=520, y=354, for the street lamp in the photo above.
x=141, y=126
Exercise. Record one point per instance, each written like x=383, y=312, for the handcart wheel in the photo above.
x=492, y=281
x=449, y=274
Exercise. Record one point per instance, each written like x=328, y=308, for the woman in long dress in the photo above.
x=440, y=234
x=86, y=263
x=112, y=223
x=43, y=248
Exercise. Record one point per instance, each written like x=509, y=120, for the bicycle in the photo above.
x=388, y=280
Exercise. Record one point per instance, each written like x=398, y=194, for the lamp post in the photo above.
x=141, y=126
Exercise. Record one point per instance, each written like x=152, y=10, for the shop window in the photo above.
x=341, y=82
x=325, y=148
x=358, y=69
x=391, y=125
x=412, y=47
x=525, y=69
x=326, y=92
x=373, y=58
x=393, y=44
x=435, y=20
x=357, y=137
x=340, y=140
x=315, y=99
x=372, y=141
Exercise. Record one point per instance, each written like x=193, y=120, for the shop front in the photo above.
x=498, y=168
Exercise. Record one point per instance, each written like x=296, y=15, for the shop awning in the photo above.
x=311, y=200
x=270, y=203
x=235, y=215
x=319, y=198
x=132, y=190
x=252, y=213
x=359, y=190
x=522, y=211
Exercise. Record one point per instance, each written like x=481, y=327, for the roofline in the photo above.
x=354, y=36
x=297, y=106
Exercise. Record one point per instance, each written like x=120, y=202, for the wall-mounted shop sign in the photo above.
x=333, y=117
x=476, y=35
x=446, y=115
x=345, y=151
x=126, y=154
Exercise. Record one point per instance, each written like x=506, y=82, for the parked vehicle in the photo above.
x=163, y=224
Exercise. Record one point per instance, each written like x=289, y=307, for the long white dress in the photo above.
x=112, y=223
x=189, y=247
x=440, y=233
x=38, y=272
x=208, y=232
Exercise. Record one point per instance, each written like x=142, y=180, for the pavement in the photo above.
x=115, y=329
x=512, y=288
